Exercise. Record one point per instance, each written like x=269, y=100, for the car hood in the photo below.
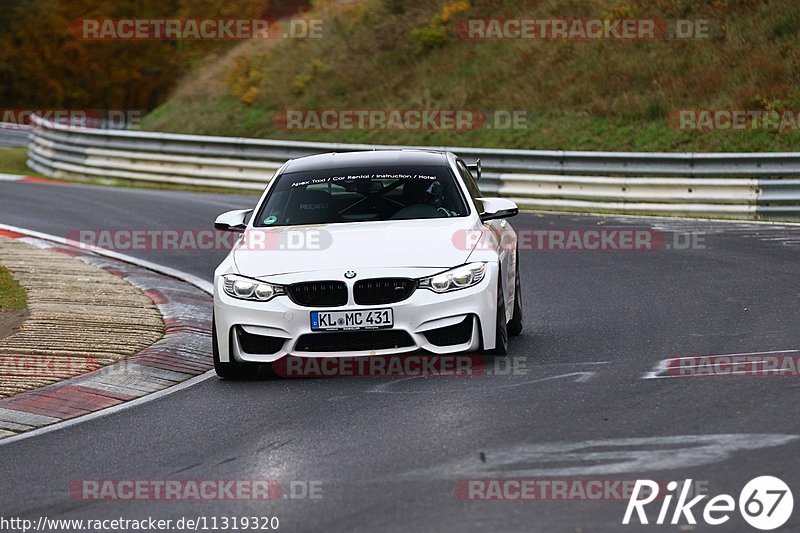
x=261, y=252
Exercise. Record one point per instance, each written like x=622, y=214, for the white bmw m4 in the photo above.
x=364, y=254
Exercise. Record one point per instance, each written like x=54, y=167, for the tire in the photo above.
x=231, y=369
x=515, y=325
x=501, y=331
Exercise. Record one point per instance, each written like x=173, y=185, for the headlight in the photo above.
x=455, y=279
x=250, y=289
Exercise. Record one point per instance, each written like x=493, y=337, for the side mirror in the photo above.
x=476, y=169
x=496, y=208
x=233, y=220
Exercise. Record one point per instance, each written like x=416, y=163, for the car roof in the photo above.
x=377, y=158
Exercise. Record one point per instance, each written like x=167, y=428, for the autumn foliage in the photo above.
x=44, y=65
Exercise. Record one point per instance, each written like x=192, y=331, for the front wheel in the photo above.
x=231, y=369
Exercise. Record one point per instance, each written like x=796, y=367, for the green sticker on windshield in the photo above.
x=270, y=219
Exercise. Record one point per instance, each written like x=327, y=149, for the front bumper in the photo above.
x=283, y=323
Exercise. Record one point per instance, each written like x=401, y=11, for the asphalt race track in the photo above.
x=389, y=453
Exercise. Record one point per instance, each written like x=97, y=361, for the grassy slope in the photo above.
x=12, y=295
x=12, y=161
x=593, y=95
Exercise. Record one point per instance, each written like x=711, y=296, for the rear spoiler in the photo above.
x=476, y=169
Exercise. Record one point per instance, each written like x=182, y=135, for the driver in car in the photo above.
x=423, y=198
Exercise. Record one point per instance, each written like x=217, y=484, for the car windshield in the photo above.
x=362, y=194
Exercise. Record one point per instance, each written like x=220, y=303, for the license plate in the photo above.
x=340, y=320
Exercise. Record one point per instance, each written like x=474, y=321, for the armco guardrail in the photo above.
x=678, y=184
x=13, y=135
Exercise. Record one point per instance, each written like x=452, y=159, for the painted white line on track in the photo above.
x=11, y=177
x=580, y=377
x=659, y=371
x=770, y=352
x=200, y=283
x=602, y=457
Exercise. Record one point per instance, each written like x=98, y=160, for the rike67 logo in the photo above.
x=765, y=503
